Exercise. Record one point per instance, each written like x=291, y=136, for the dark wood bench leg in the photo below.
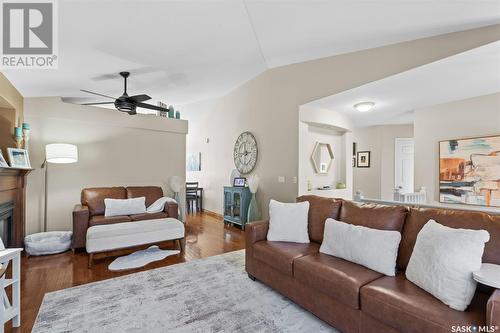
x=181, y=245
x=90, y=259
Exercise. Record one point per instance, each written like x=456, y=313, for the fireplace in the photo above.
x=6, y=218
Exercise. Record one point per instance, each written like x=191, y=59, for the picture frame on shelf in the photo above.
x=3, y=162
x=19, y=158
x=239, y=182
x=363, y=159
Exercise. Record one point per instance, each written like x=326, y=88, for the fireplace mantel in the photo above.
x=13, y=189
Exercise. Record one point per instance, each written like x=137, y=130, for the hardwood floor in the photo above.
x=206, y=236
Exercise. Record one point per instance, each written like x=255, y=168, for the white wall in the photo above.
x=479, y=116
x=377, y=181
x=114, y=149
x=268, y=106
x=325, y=126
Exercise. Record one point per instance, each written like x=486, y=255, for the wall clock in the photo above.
x=245, y=153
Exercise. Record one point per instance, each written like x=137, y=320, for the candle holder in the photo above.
x=26, y=135
x=18, y=137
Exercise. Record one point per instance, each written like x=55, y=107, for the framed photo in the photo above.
x=19, y=158
x=469, y=170
x=363, y=159
x=239, y=182
x=3, y=162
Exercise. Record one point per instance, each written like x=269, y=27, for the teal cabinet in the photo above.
x=236, y=202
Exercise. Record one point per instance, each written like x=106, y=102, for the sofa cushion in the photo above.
x=281, y=255
x=94, y=197
x=148, y=216
x=373, y=215
x=152, y=193
x=418, y=217
x=101, y=219
x=320, y=209
x=402, y=305
x=333, y=276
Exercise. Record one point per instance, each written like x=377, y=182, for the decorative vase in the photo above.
x=253, y=210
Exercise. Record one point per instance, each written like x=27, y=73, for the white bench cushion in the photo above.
x=122, y=235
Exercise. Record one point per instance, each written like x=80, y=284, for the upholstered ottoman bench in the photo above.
x=102, y=239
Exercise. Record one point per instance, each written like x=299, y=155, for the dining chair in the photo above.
x=192, y=197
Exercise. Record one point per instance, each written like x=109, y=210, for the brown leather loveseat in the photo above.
x=91, y=210
x=353, y=298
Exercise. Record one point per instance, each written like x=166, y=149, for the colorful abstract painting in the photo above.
x=469, y=171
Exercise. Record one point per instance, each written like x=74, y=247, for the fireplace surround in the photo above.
x=12, y=205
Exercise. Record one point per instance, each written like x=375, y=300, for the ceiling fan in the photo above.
x=126, y=103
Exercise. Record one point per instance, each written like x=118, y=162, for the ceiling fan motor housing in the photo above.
x=125, y=106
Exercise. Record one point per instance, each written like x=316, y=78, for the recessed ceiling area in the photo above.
x=469, y=74
x=180, y=52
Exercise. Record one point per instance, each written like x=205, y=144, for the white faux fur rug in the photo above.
x=140, y=258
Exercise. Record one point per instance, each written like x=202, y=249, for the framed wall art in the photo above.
x=469, y=171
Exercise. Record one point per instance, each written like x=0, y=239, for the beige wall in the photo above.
x=11, y=113
x=377, y=182
x=479, y=116
x=268, y=106
x=114, y=149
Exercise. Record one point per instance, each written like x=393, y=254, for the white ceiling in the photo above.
x=469, y=74
x=185, y=51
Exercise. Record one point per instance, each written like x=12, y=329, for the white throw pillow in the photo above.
x=288, y=222
x=443, y=260
x=114, y=207
x=372, y=248
x=159, y=205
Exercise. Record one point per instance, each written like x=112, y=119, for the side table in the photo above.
x=489, y=274
x=11, y=310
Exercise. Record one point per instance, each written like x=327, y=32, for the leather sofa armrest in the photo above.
x=81, y=216
x=172, y=210
x=256, y=231
x=493, y=309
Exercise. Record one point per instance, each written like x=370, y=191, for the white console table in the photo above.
x=11, y=310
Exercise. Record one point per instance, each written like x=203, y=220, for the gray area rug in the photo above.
x=206, y=295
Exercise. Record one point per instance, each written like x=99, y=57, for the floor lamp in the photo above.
x=59, y=153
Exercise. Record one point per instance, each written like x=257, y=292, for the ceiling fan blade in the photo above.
x=151, y=107
x=140, y=98
x=94, y=93
x=98, y=103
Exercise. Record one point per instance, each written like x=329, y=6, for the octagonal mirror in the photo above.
x=322, y=157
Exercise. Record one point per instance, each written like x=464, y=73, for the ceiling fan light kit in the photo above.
x=126, y=103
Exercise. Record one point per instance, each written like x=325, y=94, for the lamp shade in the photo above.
x=61, y=153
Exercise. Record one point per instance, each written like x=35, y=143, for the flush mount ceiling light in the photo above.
x=364, y=106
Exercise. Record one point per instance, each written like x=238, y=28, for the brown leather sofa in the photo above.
x=90, y=211
x=353, y=298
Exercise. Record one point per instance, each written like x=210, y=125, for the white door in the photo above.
x=403, y=168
